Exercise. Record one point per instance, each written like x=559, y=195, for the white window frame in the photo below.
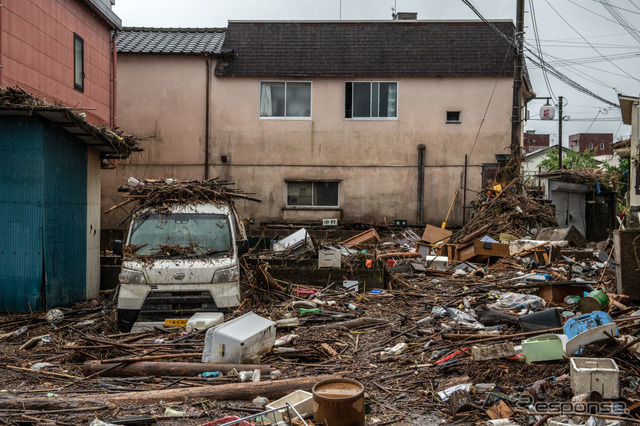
x=590, y=146
x=602, y=146
x=312, y=182
x=285, y=99
x=371, y=118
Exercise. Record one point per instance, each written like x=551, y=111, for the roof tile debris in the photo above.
x=184, y=41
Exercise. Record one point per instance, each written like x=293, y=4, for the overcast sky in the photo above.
x=596, y=46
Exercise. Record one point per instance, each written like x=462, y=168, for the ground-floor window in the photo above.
x=312, y=193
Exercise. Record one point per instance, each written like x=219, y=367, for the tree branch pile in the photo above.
x=509, y=212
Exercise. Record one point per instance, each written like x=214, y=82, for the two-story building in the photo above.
x=53, y=139
x=356, y=120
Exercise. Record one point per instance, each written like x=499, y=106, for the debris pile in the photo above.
x=158, y=195
x=15, y=98
x=505, y=210
x=402, y=328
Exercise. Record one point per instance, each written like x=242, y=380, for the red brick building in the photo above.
x=597, y=143
x=62, y=51
x=534, y=142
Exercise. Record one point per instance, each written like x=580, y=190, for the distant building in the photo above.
x=597, y=143
x=533, y=142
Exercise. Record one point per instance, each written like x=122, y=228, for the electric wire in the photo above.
x=621, y=20
x=621, y=8
x=537, y=37
x=577, y=32
x=538, y=61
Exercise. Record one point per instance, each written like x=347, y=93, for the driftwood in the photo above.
x=159, y=369
x=351, y=324
x=227, y=392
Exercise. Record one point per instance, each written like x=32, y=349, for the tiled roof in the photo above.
x=184, y=41
x=366, y=48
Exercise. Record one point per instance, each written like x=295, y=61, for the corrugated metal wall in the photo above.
x=43, y=212
x=93, y=223
x=21, y=214
x=65, y=215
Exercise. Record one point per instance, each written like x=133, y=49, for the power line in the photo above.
x=577, y=32
x=539, y=61
x=537, y=37
x=621, y=8
x=621, y=20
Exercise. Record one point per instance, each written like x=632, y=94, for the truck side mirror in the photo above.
x=117, y=247
x=243, y=246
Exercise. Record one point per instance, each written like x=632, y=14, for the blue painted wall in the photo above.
x=43, y=173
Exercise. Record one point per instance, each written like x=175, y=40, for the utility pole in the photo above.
x=516, y=117
x=560, y=133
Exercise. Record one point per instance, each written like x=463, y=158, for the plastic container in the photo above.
x=595, y=374
x=587, y=329
x=541, y=320
x=300, y=400
x=239, y=341
x=203, y=320
x=594, y=301
x=546, y=347
x=338, y=402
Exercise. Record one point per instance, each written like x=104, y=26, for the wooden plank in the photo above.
x=434, y=234
x=365, y=237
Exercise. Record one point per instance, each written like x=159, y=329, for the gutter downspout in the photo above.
x=207, y=119
x=1, y=52
x=114, y=79
x=421, y=149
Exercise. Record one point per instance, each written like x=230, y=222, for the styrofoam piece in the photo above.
x=595, y=374
x=298, y=239
x=545, y=347
x=437, y=262
x=203, y=320
x=239, y=341
x=329, y=258
x=301, y=401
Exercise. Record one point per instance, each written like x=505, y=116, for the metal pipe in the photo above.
x=464, y=194
x=1, y=51
x=114, y=81
x=207, y=119
x=421, y=150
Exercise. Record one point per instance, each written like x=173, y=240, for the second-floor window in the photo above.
x=285, y=99
x=374, y=100
x=78, y=63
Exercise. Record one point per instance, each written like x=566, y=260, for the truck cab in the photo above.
x=178, y=262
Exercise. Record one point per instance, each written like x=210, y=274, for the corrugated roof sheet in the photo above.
x=184, y=41
x=367, y=48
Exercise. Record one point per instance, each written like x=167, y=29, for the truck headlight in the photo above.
x=129, y=276
x=225, y=275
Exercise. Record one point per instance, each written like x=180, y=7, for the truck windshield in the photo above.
x=181, y=234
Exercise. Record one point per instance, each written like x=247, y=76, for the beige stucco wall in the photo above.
x=161, y=98
x=164, y=97
x=376, y=161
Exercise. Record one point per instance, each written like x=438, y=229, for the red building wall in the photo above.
x=37, y=53
x=534, y=142
x=592, y=141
